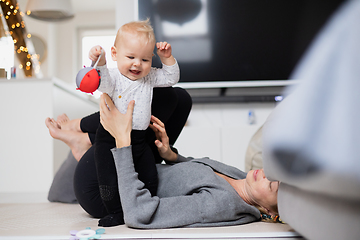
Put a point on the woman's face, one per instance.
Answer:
(262, 191)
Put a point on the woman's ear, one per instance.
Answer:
(113, 53)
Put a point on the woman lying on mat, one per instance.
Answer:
(191, 192)
(197, 192)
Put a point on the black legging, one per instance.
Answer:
(171, 105)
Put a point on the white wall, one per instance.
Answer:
(221, 131)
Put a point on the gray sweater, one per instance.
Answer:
(190, 194)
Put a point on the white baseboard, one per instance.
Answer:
(24, 197)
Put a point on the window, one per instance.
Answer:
(7, 54)
(103, 37)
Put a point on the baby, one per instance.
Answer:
(134, 79)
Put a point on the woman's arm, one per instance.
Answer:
(208, 204)
(141, 210)
(117, 124)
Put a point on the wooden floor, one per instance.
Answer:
(55, 221)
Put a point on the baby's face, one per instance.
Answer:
(133, 56)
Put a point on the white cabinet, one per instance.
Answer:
(26, 155)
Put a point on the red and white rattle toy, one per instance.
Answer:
(88, 79)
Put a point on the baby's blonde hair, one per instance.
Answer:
(141, 29)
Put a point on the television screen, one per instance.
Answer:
(236, 40)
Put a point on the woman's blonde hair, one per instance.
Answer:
(142, 29)
(265, 217)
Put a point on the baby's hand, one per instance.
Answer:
(164, 52)
(163, 49)
(94, 54)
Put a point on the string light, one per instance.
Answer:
(16, 29)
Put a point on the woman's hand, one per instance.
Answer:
(117, 124)
(162, 140)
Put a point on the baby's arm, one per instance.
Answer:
(169, 74)
(107, 83)
(164, 52)
(94, 54)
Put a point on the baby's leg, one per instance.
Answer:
(107, 178)
(144, 161)
(78, 142)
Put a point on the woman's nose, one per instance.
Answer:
(263, 173)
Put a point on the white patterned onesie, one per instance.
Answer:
(122, 90)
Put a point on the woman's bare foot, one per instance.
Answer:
(66, 124)
(62, 119)
(78, 142)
